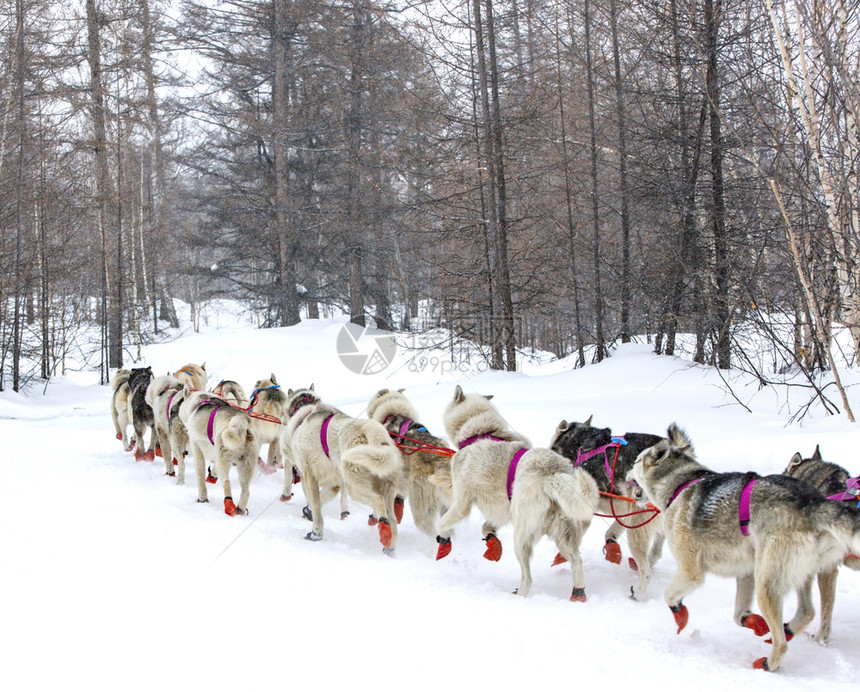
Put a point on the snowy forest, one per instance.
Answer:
(558, 175)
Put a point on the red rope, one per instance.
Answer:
(649, 508)
(421, 446)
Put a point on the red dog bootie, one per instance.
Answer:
(681, 616)
(559, 559)
(612, 552)
(384, 532)
(756, 623)
(494, 548)
(578, 595)
(231, 509)
(632, 563)
(158, 452)
(444, 548)
(399, 503)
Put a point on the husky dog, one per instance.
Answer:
(218, 431)
(267, 410)
(232, 392)
(192, 375)
(773, 534)
(536, 489)
(422, 455)
(141, 413)
(164, 395)
(835, 483)
(335, 452)
(608, 460)
(120, 406)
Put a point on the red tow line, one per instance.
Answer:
(419, 446)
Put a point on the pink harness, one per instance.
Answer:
(744, 507)
(324, 435)
(475, 438)
(512, 470)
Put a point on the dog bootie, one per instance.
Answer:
(308, 514)
(761, 664)
(494, 548)
(681, 616)
(756, 623)
(175, 461)
(286, 498)
(297, 477)
(578, 595)
(399, 503)
(632, 563)
(444, 547)
(119, 436)
(384, 533)
(612, 552)
(312, 537)
(372, 520)
(209, 477)
(559, 559)
(231, 509)
(158, 452)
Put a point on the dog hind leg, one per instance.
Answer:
(827, 594)
(769, 599)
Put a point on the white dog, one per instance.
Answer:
(337, 453)
(537, 489)
(218, 431)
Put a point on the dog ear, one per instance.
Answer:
(382, 392)
(796, 461)
(311, 387)
(658, 453)
(488, 396)
(289, 392)
(678, 438)
(203, 367)
(817, 454)
(587, 423)
(400, 391)
(274, 381)
(561, 427)
(458, 394)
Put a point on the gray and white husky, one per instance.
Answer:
(772, 534)
(224, 434)
(267, 408)
(537, 490)
(422, 456)
(608, 460)
(835, 483)
(335, 453)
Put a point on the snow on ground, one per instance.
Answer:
(113, 577)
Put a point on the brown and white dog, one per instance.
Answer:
(422, 456)
(192, 375)
(267, 408)
(120, 406)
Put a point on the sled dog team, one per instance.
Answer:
(773, 534)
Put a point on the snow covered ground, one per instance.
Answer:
(114, 578)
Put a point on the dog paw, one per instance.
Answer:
(756, 623)
(388, 551)
(372, 520)
(344, 515)
(312, 537)
(297, 477)
(444, 548)
(789, 635)
(209, 477)
(578, 595)
(761, 664)
(175, 461)
(119, 436)
(307, 513)
(172, 474)
(559, 559)
(632, 563)
(149, 455)
(158, 452)
(385, 536)
(399, 503)
(681, 614)
(612, 552)
(286, 498)
(494, 548)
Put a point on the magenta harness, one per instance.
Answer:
(324, 435)
(210, 426)
(851, 492)
(512, 467)
(743, 507)
(582, 457)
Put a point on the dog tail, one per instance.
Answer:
(575, 493)
(379, 459)
(237, 432)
